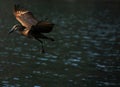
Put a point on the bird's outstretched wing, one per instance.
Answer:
(43, 27)
(25, 17)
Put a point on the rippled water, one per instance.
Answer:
(85, 53)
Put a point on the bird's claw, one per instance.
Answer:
(42, 51)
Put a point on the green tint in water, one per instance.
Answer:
(85, 53)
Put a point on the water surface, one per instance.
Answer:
(85, 53)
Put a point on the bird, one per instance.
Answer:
(30, 26)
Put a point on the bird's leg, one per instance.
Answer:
(45, 37)
(43, 51)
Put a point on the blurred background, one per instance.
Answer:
(86, 51)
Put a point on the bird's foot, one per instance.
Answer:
(42, 51)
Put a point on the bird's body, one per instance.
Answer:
(30, 26)
(25, 32)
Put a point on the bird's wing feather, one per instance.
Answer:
(25, 17)
(43, 27)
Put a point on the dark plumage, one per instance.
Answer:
(30, 26)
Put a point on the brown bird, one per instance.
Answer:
(30, 26)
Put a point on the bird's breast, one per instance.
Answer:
(25, 33)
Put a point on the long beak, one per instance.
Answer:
(12, 30)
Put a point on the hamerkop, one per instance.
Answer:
(30, 26)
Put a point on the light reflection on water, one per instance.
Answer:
(85, 53)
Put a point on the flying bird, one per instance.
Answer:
(30, 26)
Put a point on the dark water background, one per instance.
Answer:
(86, 52)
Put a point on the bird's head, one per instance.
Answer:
(17, 27)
